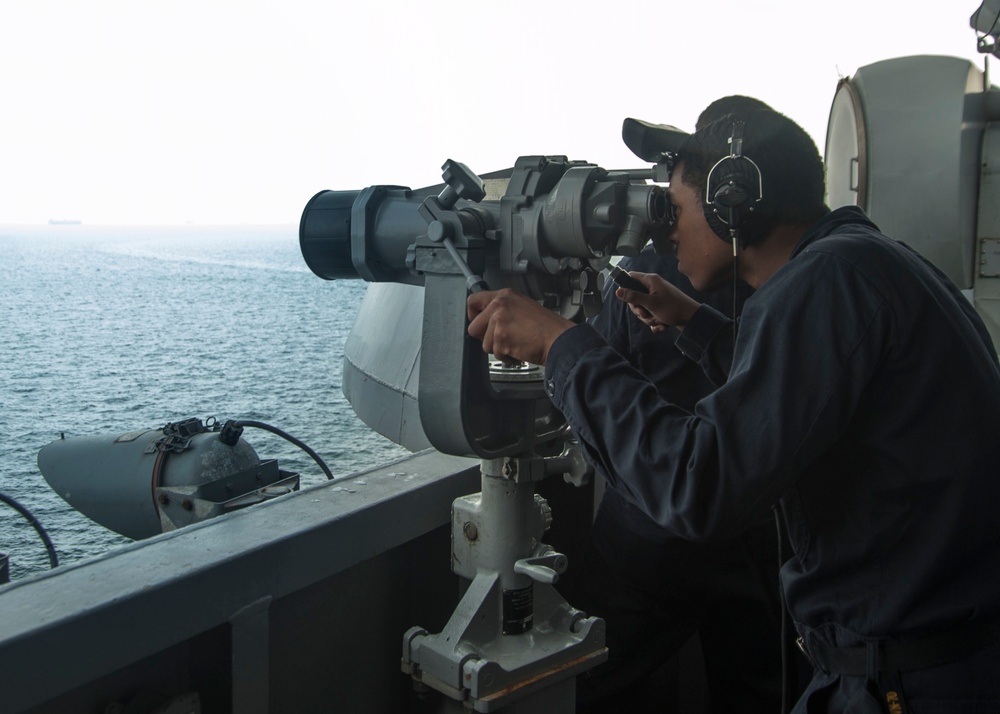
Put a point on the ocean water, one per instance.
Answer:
(107, 330)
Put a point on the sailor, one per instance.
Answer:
(862, 401)
(653, 589)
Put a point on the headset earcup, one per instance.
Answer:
(733, 190)
(715, 223)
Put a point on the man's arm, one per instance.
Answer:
(793, 389)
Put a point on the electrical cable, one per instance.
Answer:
(980, 40)
(993, 25)
(288, 437)
(737, 305)
(785, 675)
(736, 301)
(53, 556)
(783, 614)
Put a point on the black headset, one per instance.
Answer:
(732, 193)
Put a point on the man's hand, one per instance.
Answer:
(665, 305)
(513, 326)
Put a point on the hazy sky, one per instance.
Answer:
(220, 111)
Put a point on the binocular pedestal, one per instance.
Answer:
(513, 642)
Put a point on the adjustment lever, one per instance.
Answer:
(460, 182)
(543, 568)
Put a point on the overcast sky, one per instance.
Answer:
(218, 111)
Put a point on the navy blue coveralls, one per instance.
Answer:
(654, 589)
(864, 396)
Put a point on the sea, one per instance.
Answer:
(108, 330)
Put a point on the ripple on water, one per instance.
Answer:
(116, 329)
